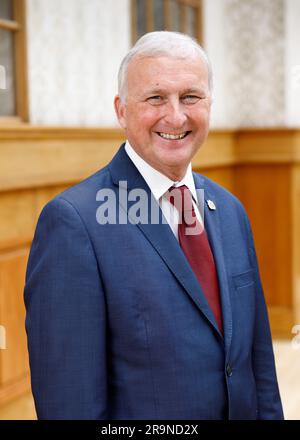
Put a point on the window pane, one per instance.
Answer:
(7, 96)
(6, 9)
(175, 16)
(158, 9)
(191, 21)
(141, 17)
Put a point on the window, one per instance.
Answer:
(172, 15)
(13, 71)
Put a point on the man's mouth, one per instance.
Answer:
(174, 137)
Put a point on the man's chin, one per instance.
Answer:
(174, 169)
(176, 159)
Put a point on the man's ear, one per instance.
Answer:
(120, 109)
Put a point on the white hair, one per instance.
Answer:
(162, 43)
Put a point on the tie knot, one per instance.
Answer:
(181, 198)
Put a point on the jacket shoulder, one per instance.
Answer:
(85, 191)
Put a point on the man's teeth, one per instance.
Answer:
(172, 136)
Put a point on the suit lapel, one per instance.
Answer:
(160, 235)
(212, 226)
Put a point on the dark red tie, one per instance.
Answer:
(194, 243)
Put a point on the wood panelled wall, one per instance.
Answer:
(262, 167)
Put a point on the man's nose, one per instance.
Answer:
(175, 114)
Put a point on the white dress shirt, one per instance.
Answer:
(159, 185)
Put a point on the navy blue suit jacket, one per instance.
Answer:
(118, 326)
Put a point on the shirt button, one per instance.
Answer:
(228, 370)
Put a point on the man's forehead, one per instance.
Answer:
(152, 81)
(158, 70)
(166, 75)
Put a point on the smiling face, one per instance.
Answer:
(166, 113)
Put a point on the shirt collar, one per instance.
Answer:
(158, 182)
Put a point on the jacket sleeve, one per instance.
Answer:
(65, 318)
(268, 397)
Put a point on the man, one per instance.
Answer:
(130, 319)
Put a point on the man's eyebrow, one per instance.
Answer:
(154, 91)
(160, 91)
(195, 90)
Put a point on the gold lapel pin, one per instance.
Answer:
(211, 205)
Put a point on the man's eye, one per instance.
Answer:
(191, 99)
(155, 100)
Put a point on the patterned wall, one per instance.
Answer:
(75, 47)
(255, 79)
(74, 50)
(292, 63)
